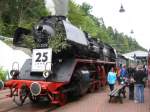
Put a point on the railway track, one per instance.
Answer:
(96, 102)
(7, 105)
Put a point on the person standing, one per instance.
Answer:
(123, 79)
(118, 74)
(131, 72)
(139, 78)
(123, 74)
(111, 78)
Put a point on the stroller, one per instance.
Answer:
(124, 83)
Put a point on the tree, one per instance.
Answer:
(20, 13)
(26, 13)
(86, 8)
(3, 74)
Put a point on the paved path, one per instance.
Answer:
(98, 102)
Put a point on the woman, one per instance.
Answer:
(111, 78)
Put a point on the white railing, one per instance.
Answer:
(5, 38)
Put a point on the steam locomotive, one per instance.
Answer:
(74, 65)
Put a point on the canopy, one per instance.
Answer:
(136, 54)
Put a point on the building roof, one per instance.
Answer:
(136, 54)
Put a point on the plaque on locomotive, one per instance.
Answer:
(40, 58)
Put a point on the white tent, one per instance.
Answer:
(130, 58)
(5, 55)
(136, 54)
(8, 56)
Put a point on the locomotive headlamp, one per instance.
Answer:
(46, 74)
(49, 30)
(46, 29)
(15, 66)
(15, 70)
(47, 71)
(14, 74)
(35, 88)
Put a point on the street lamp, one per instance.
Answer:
(132, 32)
(121, 9)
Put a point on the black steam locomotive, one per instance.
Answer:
(66, 63)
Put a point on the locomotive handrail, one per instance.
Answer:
(94, 61)
(46, 72)
(46, 65)
(14, 64)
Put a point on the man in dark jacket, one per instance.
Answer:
(131, 72)
(139, 78)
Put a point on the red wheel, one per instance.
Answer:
(33, 99)
(97, 86)
(92, 88)
(63, 99)
(20, 96)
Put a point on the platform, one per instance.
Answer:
(98, 102)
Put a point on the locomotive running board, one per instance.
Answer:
(94, 61)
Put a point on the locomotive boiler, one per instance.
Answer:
(66, 63)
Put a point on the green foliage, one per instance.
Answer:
(8, 41)
(28, 41)
(57, 44)
(3, 74)
(25, 13)
(81, 17)
(20, 13)
(87, 8)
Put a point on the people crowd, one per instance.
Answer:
(134, 77)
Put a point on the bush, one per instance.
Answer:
(3, 74)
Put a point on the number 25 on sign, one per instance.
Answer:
(39, 59)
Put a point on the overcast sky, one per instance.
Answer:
(136, 17)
